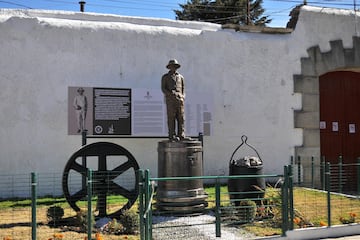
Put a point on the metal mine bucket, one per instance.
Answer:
(180, 159)
(243, 188)
(253, 188)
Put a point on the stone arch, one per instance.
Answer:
(307, 83)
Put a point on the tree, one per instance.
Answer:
(224, 11)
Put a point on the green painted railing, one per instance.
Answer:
(146, 192)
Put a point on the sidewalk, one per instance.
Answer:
(355, 237)
(341, 232)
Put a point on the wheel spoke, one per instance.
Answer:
(122, 191)
(120, 169)
(78, 168)
(101, 203)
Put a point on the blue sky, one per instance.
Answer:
(277, 10)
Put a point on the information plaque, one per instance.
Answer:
(112, 111)
(133, 112)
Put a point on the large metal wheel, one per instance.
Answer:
(114, 173)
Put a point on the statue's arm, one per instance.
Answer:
(183, 86)
(164, 88)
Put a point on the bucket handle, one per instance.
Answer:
(244, 141)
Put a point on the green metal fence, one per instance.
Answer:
(26, 199)
(320, 201)
(220, 212)
(310, 172)
(302, 205)
(326, 194)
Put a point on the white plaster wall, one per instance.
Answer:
(318, 26)
(250, 77)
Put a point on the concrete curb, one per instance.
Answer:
(323, 232)
(319, 233)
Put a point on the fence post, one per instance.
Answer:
(358, 175)
(89, 207)
(217, 210)
(312, 172)
(141, 203)
(327, 181)
(33, 205)
(147, 199)
(291, 197)
(292, 163)
(340, 173)
(151, 194)
(284, 194)
(299, 170)
(323, 173)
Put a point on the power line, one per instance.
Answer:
(162, 5)
(124, 7)
(151, 5)
(282, 12)
(144, 2)
(324, 2)
(74, 3)
(16, 4)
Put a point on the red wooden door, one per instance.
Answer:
(340, 123)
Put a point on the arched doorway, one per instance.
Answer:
(313, 67)
(340, 124)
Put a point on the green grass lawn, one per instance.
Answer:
(310, 208)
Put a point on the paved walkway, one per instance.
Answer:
(356, 237)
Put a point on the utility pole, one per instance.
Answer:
(82, 6)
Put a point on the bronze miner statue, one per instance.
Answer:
(172, 85)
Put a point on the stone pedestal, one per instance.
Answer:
(180, 159)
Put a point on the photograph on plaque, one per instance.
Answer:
(80, 114)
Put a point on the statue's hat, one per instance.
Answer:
(173, 62)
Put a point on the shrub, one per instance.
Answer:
(55, 213)
(130, 222)
(247, 210)
(82, 219)
(114, 227)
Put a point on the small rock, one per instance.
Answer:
(102, 222)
